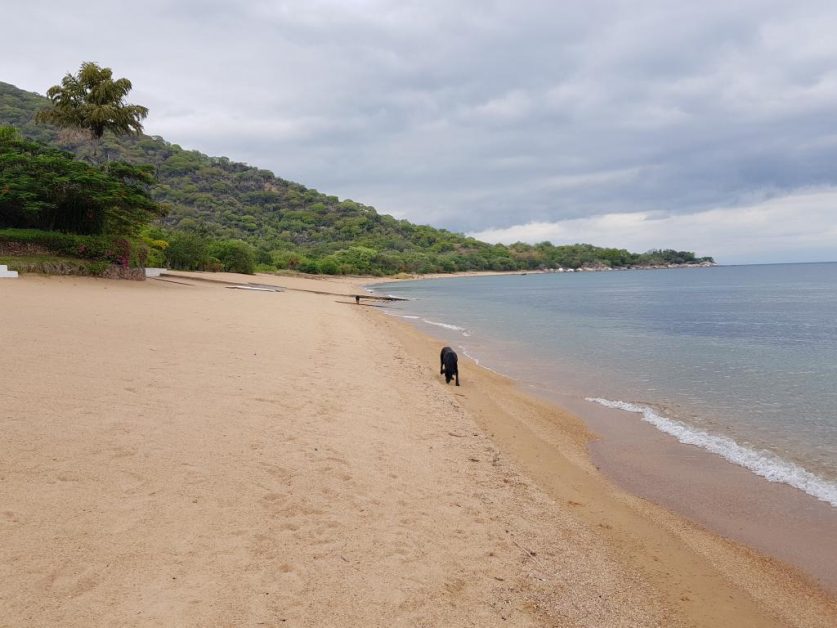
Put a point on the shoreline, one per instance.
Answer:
(552, 444)
(495, 273)
(180, 452)
(775, 518)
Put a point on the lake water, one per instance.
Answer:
(738, 360)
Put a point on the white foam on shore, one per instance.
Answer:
(763, 463)
(446, 326)
(476, 361)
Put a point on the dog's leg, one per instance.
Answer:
(457, 377)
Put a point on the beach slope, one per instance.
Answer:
(181, 453)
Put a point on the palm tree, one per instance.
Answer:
(94, 102)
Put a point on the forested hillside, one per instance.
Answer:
(212, 199)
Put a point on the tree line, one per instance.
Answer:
(199, 212)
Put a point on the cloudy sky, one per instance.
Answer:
(707, 126)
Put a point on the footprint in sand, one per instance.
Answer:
(276, 471)
(131, 482)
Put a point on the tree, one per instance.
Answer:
(44, 188)
(235, 255)
(94, 102)
(187, 251)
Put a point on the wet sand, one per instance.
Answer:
(774, 518)
(695, 566)
(182, 453)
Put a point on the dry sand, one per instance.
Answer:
(186, 454)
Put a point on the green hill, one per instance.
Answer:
(291, 226)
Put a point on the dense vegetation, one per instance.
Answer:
(46, 188)
(223, 214)
(54, 206)
(98, 252)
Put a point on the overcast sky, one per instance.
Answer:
(707, 126)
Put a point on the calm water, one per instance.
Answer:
(740, 360)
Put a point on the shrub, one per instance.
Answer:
(236, 256)
(187, 251)
(156, 258)
(309, 266)
(328, 266)
(97, 269)
(286, 259)
(112, 249)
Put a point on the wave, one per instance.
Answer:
(476, 360)
(413, 317)
(763, 463)
(447, 326)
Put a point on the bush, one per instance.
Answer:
(70, 266)
(156, 258)
(98, 269)
(187, 251)
(328, 266)
(236, 256)
(285, 259)
(309, 266)
(99, 248)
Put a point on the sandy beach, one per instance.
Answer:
(180, 453)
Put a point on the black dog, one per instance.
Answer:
(449, 365)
